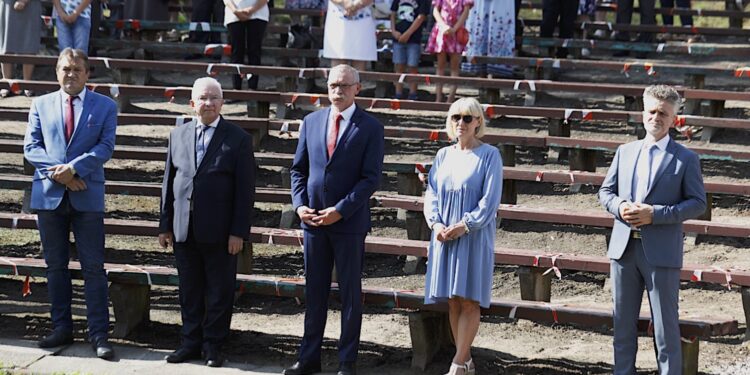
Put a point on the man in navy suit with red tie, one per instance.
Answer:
(336, 169)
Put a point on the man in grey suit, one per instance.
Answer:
(652, 186)
(207, 195)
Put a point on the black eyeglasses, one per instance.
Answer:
(467, 118)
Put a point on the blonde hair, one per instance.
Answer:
(464, 106)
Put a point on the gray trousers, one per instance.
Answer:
(631, 275)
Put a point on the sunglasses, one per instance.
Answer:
(467, 118)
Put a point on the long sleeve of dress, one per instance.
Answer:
(492, 191)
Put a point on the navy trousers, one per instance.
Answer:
(88, 229)
(323, 249)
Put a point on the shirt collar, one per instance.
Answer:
(348, 113)
(213, 124)
(661, 144)
(81, 95)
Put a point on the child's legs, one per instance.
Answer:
(441, 61)
(399, 63)
(455, 71)
(413, 55)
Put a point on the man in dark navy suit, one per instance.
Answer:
(336, 169)
(207, 195)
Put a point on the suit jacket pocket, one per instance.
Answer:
(220, 164)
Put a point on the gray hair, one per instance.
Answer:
(205, 82)
(343, 69)
(73, 54)
(664, 93)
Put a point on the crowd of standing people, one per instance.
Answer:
(461, 30)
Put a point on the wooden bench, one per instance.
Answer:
(287, 80)
(122, 71)
(130, 287)
(409, 182)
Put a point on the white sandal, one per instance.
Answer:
(457, 369)
(470, 368)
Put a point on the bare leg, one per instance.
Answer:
(441, 61)
(335, 62)
(454, 316)
(28, 71)
(413, 85)
(455, 71)
(7, 71)
(361, 66)
(399, 68)
(468, 325)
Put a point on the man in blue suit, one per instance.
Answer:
(652, 186)
(71, 134)
(207, 197)
(336, 169)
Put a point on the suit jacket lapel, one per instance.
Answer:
(668, 156)
(59, 122)
(83, 121)
(350, 129)
(188, 139)
(216, 139)
(629, 163)
(324, 137)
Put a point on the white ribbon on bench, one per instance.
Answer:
(517, 85)
(698, 274)
(7, 261)
(114, 90)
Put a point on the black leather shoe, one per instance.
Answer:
(347, 368)
(102, 348)
(182, 355)
(56, 338)
(213, 358)
(303, 368)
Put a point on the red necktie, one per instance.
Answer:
(70, 118)
(333, 135)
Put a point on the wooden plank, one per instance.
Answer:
(675, 48)
(18, 182)
(502, 255)
(385, 297)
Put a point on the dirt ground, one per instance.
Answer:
(267, 330)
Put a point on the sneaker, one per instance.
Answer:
(4, 93)
(600, 34)
(413, 96)
(28, 93)
(398, 95)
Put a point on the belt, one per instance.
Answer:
(635, 234)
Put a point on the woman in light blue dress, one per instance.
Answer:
(460, 205)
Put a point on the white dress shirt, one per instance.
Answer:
(345, 119)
